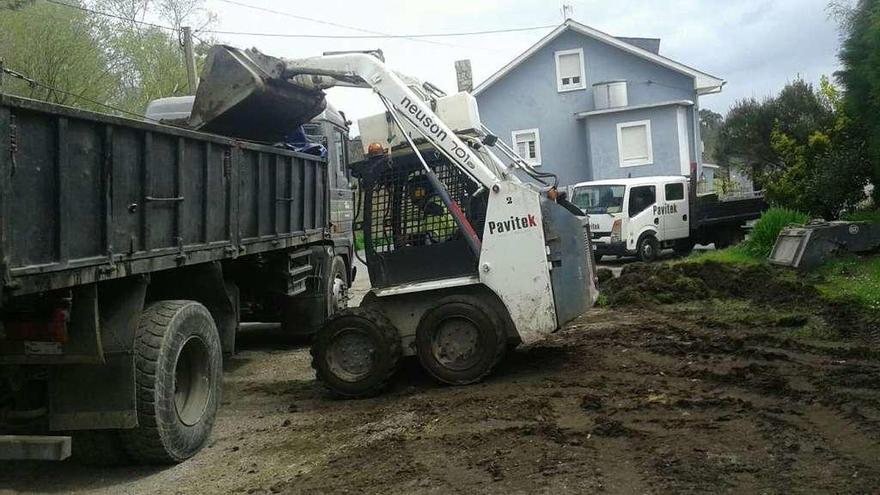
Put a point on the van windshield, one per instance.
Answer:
(595, 200)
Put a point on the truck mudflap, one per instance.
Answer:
(34, 448)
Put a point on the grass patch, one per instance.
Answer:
(852, 279)
(768, 227)
(872, 216)
(736, 255)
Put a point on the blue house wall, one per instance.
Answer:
(575, 149)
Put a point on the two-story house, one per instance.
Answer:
(586, 105)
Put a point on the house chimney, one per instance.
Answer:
(464, 76)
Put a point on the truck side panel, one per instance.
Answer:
(89, 197)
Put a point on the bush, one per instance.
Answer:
(768, 227)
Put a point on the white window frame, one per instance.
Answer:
(635, 163)
(583, 83)
(531, 161)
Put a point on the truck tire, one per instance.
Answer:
(647, 249)
(178, 373)
(460, 340)
(356, 353)
(336, 286)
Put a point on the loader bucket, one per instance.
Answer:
(241, 94)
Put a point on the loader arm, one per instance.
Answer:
(368, 71)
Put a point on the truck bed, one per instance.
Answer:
(712, 210)
(86, 197)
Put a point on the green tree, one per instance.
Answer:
(860, 75)
(56, 46)
(710, 125)
(825, 167)
(149, 60)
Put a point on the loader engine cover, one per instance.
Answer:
(241, 96)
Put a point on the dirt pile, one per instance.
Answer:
(660, 283)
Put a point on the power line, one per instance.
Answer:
(379, 36)
(372, 34)
(321, 21)
(114, 16)
(33, 83)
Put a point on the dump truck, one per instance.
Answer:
(130, 251)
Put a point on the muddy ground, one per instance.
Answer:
(705, 395)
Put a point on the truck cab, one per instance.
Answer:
(635, 217)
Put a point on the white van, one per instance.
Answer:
(641, 216)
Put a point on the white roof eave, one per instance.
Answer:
(703, 83)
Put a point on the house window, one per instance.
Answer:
(570, 70)
(634, 143)
(527, 144)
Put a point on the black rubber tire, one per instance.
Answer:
(337, 269)
(597, 257)
(648, 248)
(385, 352)
(165, 331)
(98, 448)
(491, 337)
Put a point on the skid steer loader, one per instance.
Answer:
(466, 260)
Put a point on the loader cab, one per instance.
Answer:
(409, 235)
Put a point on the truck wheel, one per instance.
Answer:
(336, 285)
(648, 249)
(356, 353)
(178, 372)
(460, 340)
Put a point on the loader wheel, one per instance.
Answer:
(178, 372)
(356, 353)
(648, 249)
(460, 340)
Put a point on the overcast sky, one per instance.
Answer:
(755, 45)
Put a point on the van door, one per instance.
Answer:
(640, 213)
(673, 211)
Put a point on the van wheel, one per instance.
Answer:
(460, 340)
(178, 373)
(648, 249)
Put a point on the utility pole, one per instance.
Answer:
(190, 59)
